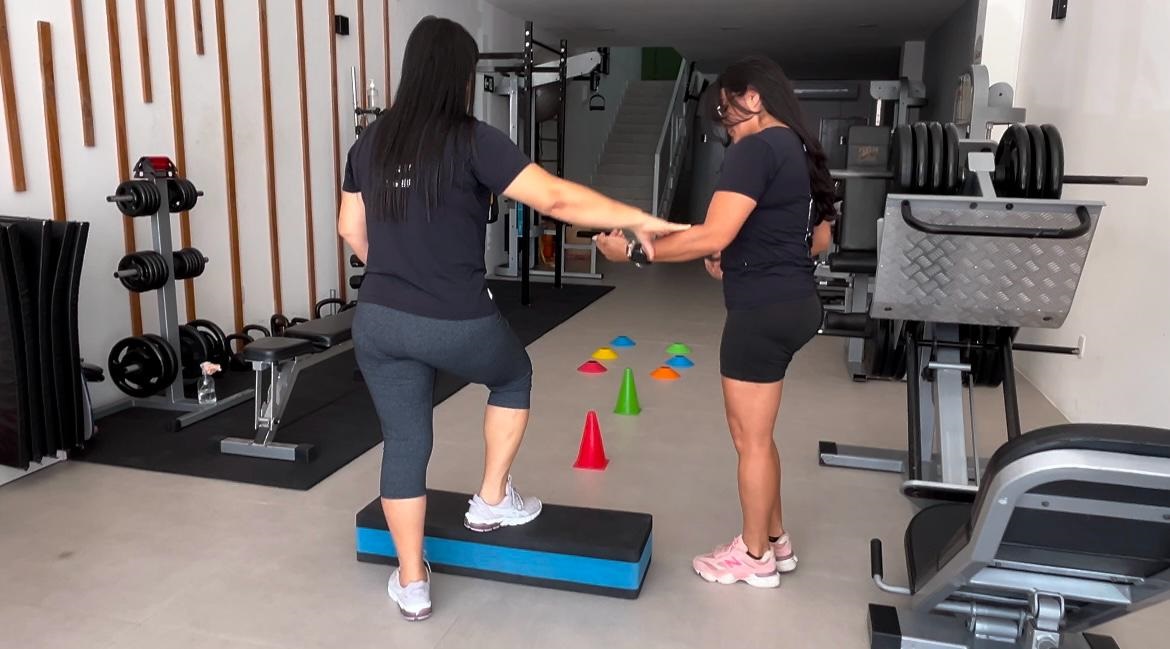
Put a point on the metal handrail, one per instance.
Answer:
(676, 100)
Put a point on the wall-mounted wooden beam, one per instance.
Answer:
(180, 137)
(306, 165)
(197, 16)
(361, 34)
(386, 92)
(83, 73)
(229, 166)
(52, 132)
(122, 163)
(269, 156)
(341, 284)
(11, 113)
(144, 53)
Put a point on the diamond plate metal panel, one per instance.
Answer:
(1012, 282)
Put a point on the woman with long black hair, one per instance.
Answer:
(769, 216)
(414, 209)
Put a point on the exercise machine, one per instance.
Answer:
(967, 253)
(536, 94)
(1068, 531)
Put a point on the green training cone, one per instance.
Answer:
(627, 402)
(678, 349)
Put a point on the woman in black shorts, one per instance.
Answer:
(414, 209)
(769, 216)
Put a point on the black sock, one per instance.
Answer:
(773, 539)
(754, 556)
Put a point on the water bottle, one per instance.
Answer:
(206, 390)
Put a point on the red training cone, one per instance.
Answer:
(592, 453)
(591, 367)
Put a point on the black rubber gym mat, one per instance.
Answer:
(328, 408)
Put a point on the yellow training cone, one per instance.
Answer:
(605, 354)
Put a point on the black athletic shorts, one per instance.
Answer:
(758, 344)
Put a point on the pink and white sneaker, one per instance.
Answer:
(731, 563)
(785, 557)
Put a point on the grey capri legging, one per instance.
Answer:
(399, 353)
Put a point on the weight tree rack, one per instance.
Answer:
(135, 198)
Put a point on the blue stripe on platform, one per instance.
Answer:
(605, 573)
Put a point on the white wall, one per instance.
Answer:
(587, 130)
(1103, 76)
(91, 173)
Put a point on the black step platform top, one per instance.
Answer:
(560, 529)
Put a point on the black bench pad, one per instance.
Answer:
(856, 262)
(324, 332)
(273, 349)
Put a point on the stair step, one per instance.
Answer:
(625, 194)
(619, 146)
(615, 157)
(643, 181)
(624, 169)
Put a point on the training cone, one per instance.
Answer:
(592, 452)
(623, 341)
(592, 367)
(665, 373)
(678, 349)
(605, 354)
(627, 402)
(680, 361)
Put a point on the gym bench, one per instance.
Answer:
(1069, 530)
(278, 360)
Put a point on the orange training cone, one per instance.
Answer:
(665, 373)
(592, 452)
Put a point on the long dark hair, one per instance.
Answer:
(430, 115)
(766, 77)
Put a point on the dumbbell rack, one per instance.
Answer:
(160, 169)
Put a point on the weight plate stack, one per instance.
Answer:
(902, 157)
(921, 156)
(194, 350)
(170, 356)
(1054, 180)
(953, 166)
(138, 198)
(183, 195)
(217, 340)
(137, 367)
(149, 271)
(1013, 163)
(936, 164)
(189, 263)
(1039, 161)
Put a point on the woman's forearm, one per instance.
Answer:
(697, 242)
(359, 245)
(581, 206)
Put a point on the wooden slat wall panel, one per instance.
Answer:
(332, 8)
(82, 55)
(120, 146)
(11, 114)
(269, 156)
(361, 34)
(197, 17)
(52, 132)
(144, 53)
(386, 90)
(229, 165)
(180, 136)
(306, 165)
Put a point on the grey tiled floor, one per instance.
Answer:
(96, 556)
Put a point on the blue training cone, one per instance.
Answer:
(680, 361)
(622, 341)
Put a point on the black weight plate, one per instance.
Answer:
(1039, 161)
(219, 350)
(126, 189)
(1054, 180)
(182, 262)
(144, 192)
(871, 361)
(936, 162)
(169, 354)
(192, 348)
(174, 195)
(903, 158)
(136, 367)
(191, 195)
(1013, 162)
(951, 165)
(921, 154)
(160, 276)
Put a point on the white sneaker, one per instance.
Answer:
(413, 599)
(512, 510)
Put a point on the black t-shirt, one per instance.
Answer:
(435, 268)
(769, 261)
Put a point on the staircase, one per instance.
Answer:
(626, 168)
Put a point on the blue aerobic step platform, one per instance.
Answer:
(596, 551)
